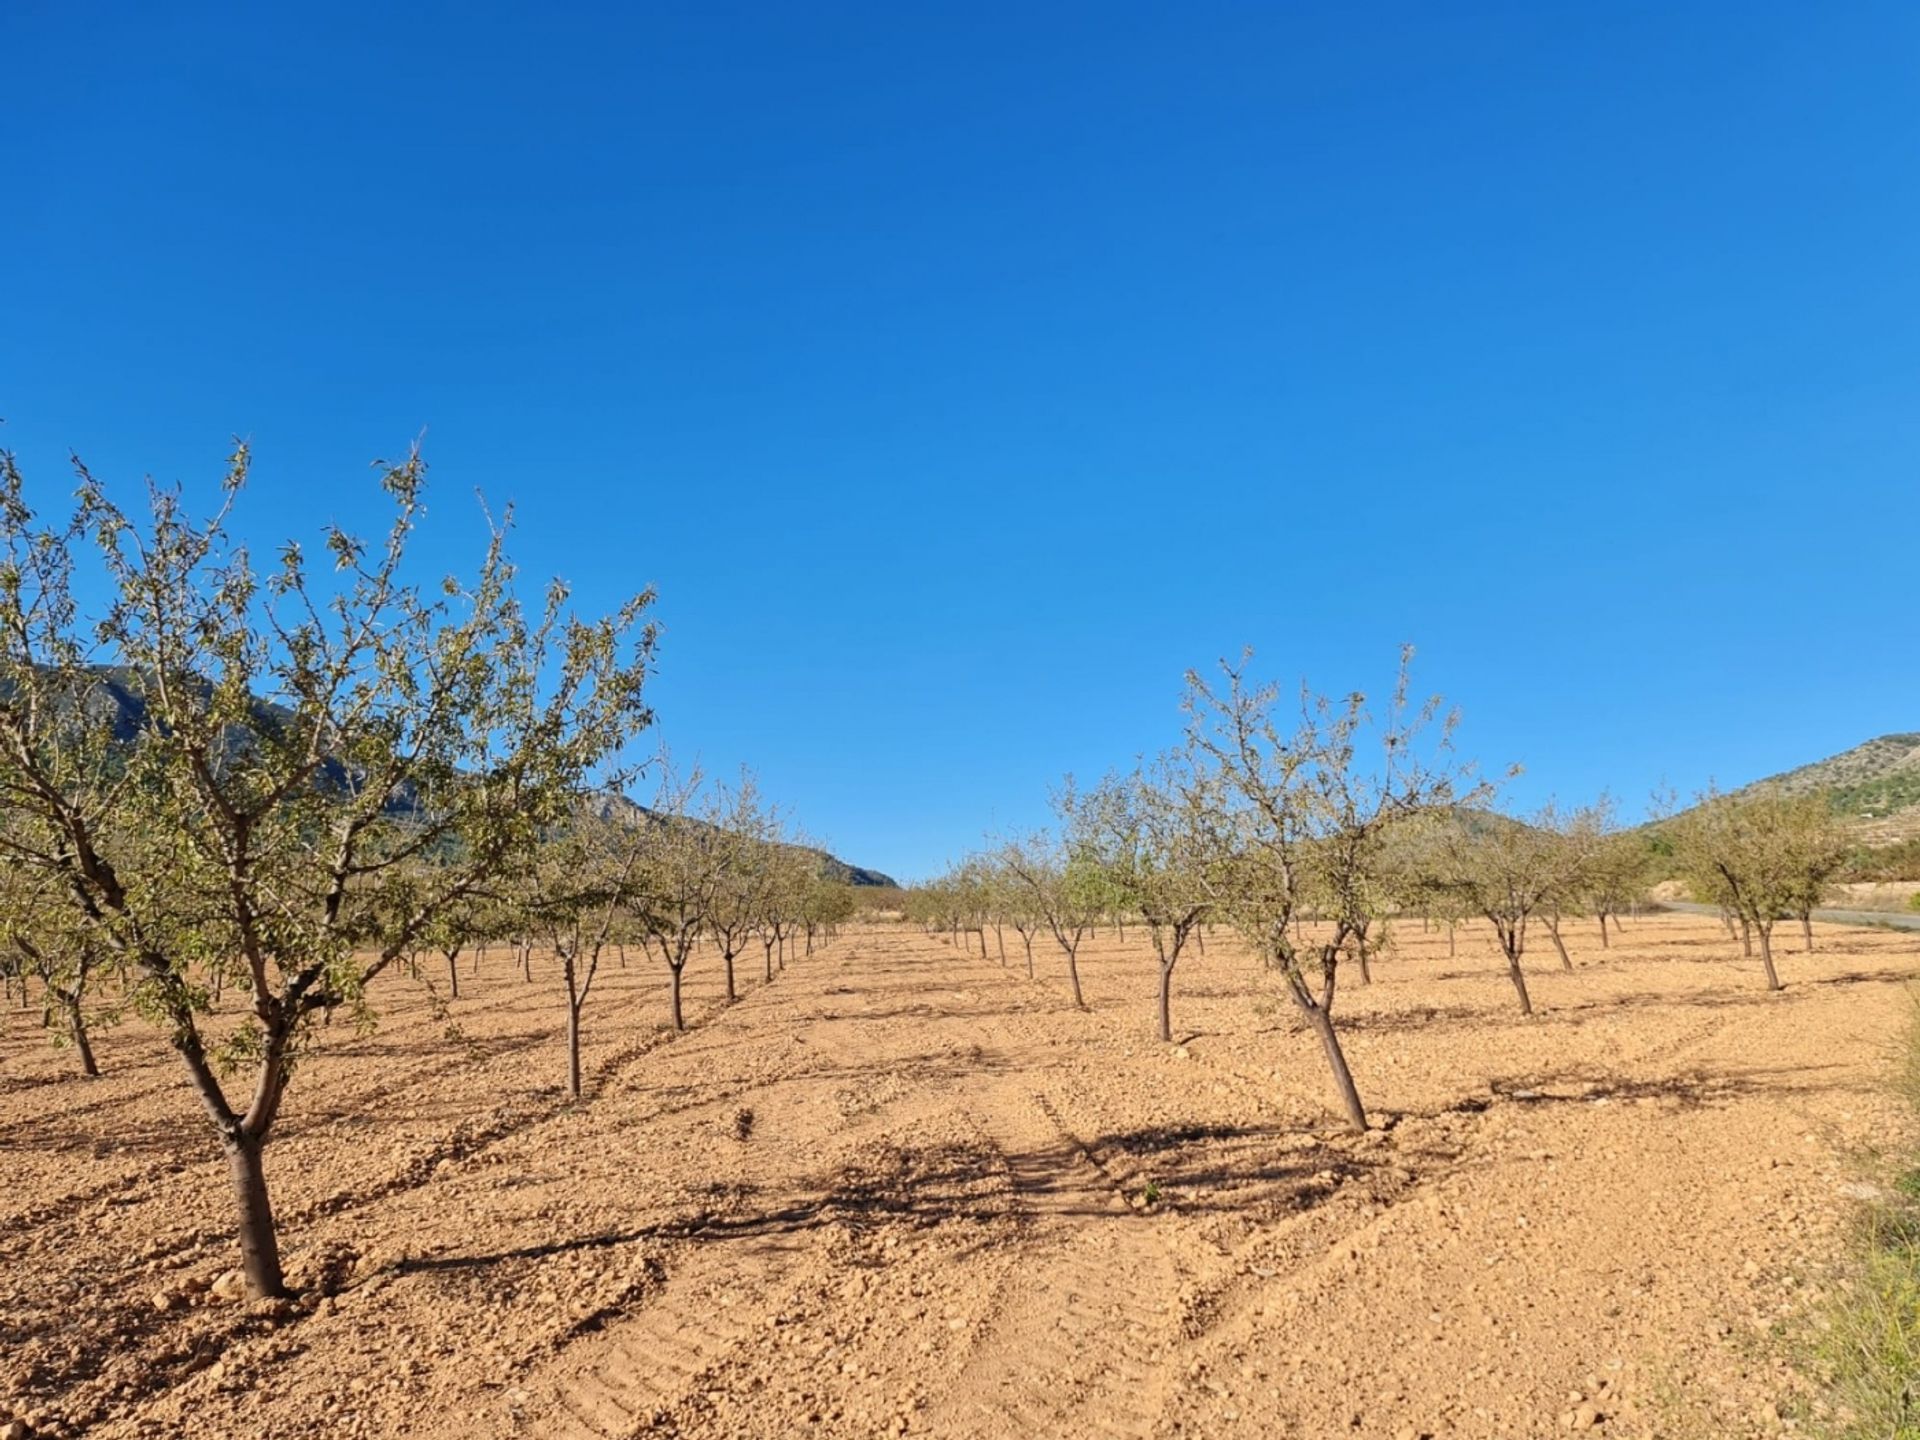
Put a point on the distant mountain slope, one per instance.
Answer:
(1875, 787)
(846, 874)
(117, 702)
(832, 866)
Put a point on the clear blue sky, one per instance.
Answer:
(962, 374)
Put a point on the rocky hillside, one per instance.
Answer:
(118, 703)
(609, 806)
(1875, 786)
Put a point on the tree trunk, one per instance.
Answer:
(1322, 1024)
(1073, 975)
(767, 947)
(77, 1028)
(573, 1045)
(1166, 1000)
(1366, 970)
(679, 1019)
(982, 932)
(1450, 949)
(1766, 956)
(1746, 938)
(1806, 929)
(1029, 940)
(1603, 930)
(453, 976)
(1519, 978)
(1553, 930)
(726, 956)
(1000, 943)
(259, 1240)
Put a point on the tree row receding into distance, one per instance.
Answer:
(271, 782)
(1309, 824)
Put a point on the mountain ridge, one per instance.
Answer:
(115, 700)
(1874, 787)
(832, 866)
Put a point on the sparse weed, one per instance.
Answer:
(1866, 1347)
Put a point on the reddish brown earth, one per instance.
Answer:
(901, 1190)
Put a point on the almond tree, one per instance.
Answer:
(47, 941)
(241, 776)
(1816, 851)
(737, 826)
(1064, 889)
(1018, 903)
(826, 904)
(1509, 870)
(988, 883)
(450, 933)
(766, 904)
(681, 872)
(1152, 833)
(1004, 902)
(973, 894)
(926, 907)
(1760, 858)
(1304, 820)
(786, 866)
(1617, 874)
(962, 889)
(582, 882)
(1578, 839)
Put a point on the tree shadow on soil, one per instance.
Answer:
(1197, 1168)
(1691, 1090)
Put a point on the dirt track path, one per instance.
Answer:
(1891, 919)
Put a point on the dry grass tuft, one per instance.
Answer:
(1868, 1350)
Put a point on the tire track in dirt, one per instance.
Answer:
(622, 1378)
(513, 1119)
(1081, 1340)
(724, 1286)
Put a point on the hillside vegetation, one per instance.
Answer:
(1875, 787)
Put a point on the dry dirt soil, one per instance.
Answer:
(904, 1190)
